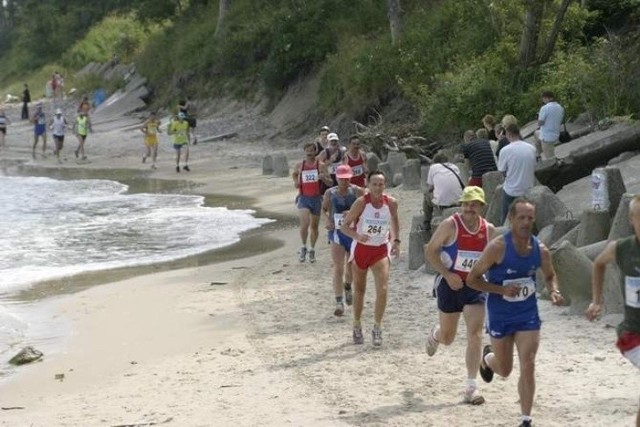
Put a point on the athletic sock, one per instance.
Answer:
(377, 325)
(525, 418)
(471, 383)
(347, 286)
(339, 299)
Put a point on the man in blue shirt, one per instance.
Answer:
(550, 119)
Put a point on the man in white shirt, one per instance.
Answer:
(518, 162)
(550, 119)
(444, 187)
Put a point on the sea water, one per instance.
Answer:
(51, 229)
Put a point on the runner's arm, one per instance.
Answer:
(395, 226)
(493, 253)
(352, 216)
(296, 175)
(326, 210)
(597, 278)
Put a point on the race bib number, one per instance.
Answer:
(310, 175)
(632, 291)
(377, 230)
(338, 219)
(465, 260)
(526, 285)
(357, 170)
(333, 167)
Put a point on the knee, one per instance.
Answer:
(446, 337)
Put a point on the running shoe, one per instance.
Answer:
(339, 311)
(303, 254)
(431, 345)
(76, 153)
(485, 371)
(348, 296)
(376, 336)
(472, 396)
(144, 159)
(154, 166)
(358, 338)
(312, 255)
(526, 424)
(186, 168)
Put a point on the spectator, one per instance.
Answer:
(489, 123)
(550, 120)
(444, 188)
(26, 99)
(478, 157)
(518, 162)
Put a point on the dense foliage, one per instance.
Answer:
(456, 61)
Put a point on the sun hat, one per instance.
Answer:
(58, 111)
(472, 193)
(333, 137)
(344, 171)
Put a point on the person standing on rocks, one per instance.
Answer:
(26, 99)
(454, 248)
(550, 119)
(336, 204)
(179, 129)
(58, 125)
(375, 216)
(39, 121)
(626, 254)
(518, 162)
(81, 128)
(510, 262)
(357, 160)
(478, 157)
(444, 188)
(307, 176)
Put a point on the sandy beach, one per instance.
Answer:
(253, 341)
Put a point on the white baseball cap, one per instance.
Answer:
(333, 137)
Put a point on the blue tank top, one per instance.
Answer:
(341, 203)
(520, 270)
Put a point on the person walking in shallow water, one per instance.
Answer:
(81, 128)
(39, 121)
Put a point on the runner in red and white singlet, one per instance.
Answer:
(376, 217)
(357, 160)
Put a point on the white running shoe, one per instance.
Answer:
(302, 253)
(432, 343)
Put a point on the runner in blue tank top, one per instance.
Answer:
(335, 205)
(511, 262)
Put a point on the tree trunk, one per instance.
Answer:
(395, 21)
(553, 36)
(531, 31)
(223, 9)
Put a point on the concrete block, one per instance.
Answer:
(493, 211)
(424, 173)
(573, 269)
(397, 179)
(267, 165)
(373, 162)
(615, 188)
(553, 232)
(280, 165)
(613, 300)
(571, 236)
(594, 249)
(549, 207)
(385, 168)
(396, 160)
(416, 250)
(594, 226)
(411, 174)
(417, 222)
(491, 181)
(620, 226)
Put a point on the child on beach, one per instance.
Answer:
(151, 129)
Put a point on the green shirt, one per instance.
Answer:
(628, 259)
(179, 130)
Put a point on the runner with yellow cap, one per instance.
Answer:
(453, 249)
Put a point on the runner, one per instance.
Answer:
(58, 125)
(321, 140)
(151, 129)
(81, 128)
(626, 254)
(336, 203)
(332, 156)
(375, 216)
(453, 249)
(356, 158)
(40, 130)
(307, 176)
(179, 128)
(511, 261)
